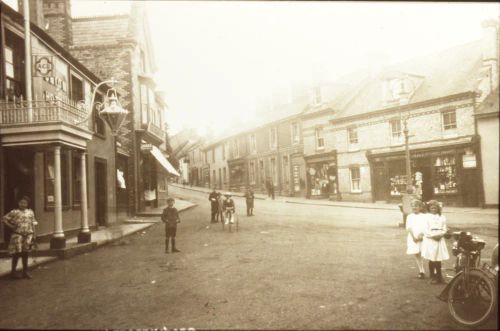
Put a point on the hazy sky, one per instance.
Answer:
(215, 59)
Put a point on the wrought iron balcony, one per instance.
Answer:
(17, 112)
(40, 121)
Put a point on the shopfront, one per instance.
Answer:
(322, 176)
(447, 174)
(237, 174)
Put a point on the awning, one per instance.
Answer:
(163, 161)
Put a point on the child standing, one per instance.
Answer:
(416, 227)
(220, 208)
(434, 245)
(22, 222)
(170, 217)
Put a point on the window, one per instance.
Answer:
(253, 143)
(273, 138)
(445, 179)
(99, 125)
(450, 119)
(251, 172)
(320, 140)
(261, 170)
(353, 135)
(317, 95)
(295, 133)
(355, 179)
(236, 149)
(396, 132)
(76, 89)
(50, 179)
(9, 62)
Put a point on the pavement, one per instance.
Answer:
(363, 205)
(100, 237)
(288, 267)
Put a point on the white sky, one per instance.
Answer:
(215, 59)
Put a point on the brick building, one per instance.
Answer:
(50, 150)
(119, 47)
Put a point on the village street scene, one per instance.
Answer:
(249, 165)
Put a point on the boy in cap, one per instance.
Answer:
(228, 205)
(170, 217)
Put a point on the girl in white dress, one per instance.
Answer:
(416, 226)
(434, 245)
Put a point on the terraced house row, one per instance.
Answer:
(53, 148)
(345, 140)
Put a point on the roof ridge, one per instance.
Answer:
(95, 17)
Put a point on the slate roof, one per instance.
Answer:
(452, 71)
(100, 30)
(489, 105)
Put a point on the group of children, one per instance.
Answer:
(426, 229)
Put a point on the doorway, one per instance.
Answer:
(19, 180)
(380, 180)
(469, 191)
(427, 189)
(101, 192)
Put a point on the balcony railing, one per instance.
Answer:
(17, 111)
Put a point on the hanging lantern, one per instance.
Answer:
(113, 113)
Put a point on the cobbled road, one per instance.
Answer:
(289, 267)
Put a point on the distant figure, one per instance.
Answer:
(220, 208)
(249, 198)
(214, 205)
(229, 206)
(170, 217)
(271, 188)
(22, 222)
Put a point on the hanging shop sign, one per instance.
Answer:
(469, 160)
(43, 66)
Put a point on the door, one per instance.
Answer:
(469, 188)
(101, 192)
(427, 189)
(19, 180)
(380, 181)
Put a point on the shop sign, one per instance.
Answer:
(469, 161)
(43, 65)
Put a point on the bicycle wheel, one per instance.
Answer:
(473, 305)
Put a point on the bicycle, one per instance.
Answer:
(230, 218)
(472, 294)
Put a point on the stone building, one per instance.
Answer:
(361, 131)
(50, 149)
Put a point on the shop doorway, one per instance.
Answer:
(469, 191)
(427, 188)
(19, 180)
(380, 180)
(101, 192)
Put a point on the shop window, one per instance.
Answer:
(353, 136)
(320, 140)
(397, 177)
(449, 119)
(251, 172)
(253, 143)
(286, 175)
(50, 179)
(322, 179)
(355, 179)
(295, 133)
(77, 180)
(273, 138)
(273, 170)
(445, 178)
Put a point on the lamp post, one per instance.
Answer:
(407, 155)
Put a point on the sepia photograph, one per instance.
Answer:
(249, 165)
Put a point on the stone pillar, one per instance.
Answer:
(84, 236)
(58, 240)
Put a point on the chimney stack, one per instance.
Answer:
(57, 15)
(490, 51)
(36, 12)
